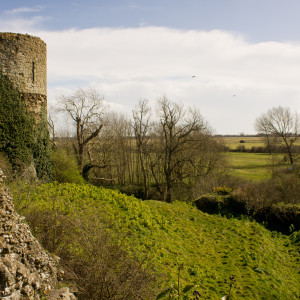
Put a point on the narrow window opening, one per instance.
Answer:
(33, 71)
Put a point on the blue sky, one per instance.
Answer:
(258, 20)
(134, 49)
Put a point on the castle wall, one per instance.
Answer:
(23, 58)
(27, 271)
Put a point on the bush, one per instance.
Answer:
(279, 217)
(233, 205)
(223, 190)
(273, 202)
(209, 204)
(227, 205)
(65, 167)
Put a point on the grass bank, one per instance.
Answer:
(211, 248)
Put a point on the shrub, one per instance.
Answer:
(209, 204)
(65, 167)
(233, 205)
(279, 217)
(223, 190)
(273, 202)
(227, 205)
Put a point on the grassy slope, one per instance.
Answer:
(216, 247)
(211, 247)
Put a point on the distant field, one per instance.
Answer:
(234, 142)
(253, 166)
(249, 141)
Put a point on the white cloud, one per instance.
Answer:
(24, 9)
(21, 25)
(128, 64)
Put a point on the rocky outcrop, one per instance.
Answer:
(27, 271)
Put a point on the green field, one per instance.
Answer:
(253, 166)
(233, 142)
(211, 248)
(249, 141)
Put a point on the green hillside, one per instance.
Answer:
(211, 248)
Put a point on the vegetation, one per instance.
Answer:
(86, 109)
(166, 150)
(65, 167)
(253, 144)
(78, 223)
(16, 126)
(162, 237)
(280, 127)
(114, 246)
(22, 140)
(253, 166)
(265, 202)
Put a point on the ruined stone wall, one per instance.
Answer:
(27, 271)
(23, 58)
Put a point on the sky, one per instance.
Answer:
(231, 59)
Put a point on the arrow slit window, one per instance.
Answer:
(33, 72)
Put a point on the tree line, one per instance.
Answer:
(163, 149)
(160, 151)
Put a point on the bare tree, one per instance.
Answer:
(141, 126)
(51, 128)
(176, 127)
(113, 148)
(280, 122)
(86, 108)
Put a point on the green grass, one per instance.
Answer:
(211, 248)
(253, 166)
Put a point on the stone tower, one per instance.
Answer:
(23, 58)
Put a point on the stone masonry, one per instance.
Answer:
(23, 58)
(27, 271)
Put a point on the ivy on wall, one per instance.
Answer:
(42, 148)
(21, 139)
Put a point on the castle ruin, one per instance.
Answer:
(23, 58)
